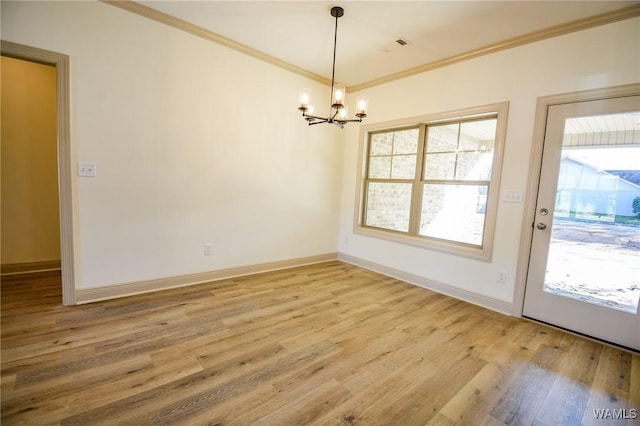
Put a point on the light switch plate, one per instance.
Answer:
(86, 169)
(513, 196)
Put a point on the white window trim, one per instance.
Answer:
(483, 252)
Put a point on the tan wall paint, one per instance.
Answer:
(30, 219)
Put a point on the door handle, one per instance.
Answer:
(541, 226)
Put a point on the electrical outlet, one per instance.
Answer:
(86, 169)
(207, 250)
(502, 276)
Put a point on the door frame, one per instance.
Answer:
(65, 201)
(535, 168)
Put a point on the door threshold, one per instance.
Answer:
(586, 336)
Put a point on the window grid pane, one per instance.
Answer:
(461, 151)
(404, 167)
(380, 167)
(442, 138)
(440, 166)
(392, 155)
(381, 144)
(453, 212)
(478, 135)
(388, 205)
(405, 141)
(474, 166)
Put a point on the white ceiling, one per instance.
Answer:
(301, 32)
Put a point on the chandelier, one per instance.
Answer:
(338, 111)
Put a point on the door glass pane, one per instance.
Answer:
(594, 255)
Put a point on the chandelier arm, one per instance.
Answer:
(314, 117)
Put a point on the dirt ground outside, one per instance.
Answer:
(596, 263)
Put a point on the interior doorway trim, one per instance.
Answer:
(535, 165)
(61, 62)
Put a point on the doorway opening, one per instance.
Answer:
(61, 64)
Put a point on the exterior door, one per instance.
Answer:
(584, 266)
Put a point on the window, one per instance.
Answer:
(434, 182)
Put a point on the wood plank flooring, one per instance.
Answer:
(328, 344)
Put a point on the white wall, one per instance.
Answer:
(162, 113)
(599, 57)
(194, 143)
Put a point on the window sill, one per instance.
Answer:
(459, 249)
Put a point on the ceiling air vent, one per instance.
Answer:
(402, 42)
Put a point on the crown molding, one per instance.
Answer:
(554, 31)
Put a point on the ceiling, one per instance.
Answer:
(301, 32)
(628, 123)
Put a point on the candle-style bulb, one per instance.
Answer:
(361, 105)
(305, 97)
(339, 95)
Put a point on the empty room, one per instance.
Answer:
(317, 212)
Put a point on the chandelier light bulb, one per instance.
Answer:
(362, 103)
(343, 113)
(305, 96)
(339, 93)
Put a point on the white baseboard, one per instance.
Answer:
(95, 294)
(458, 293)
(29, 267)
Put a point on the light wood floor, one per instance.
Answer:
(325, 344)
